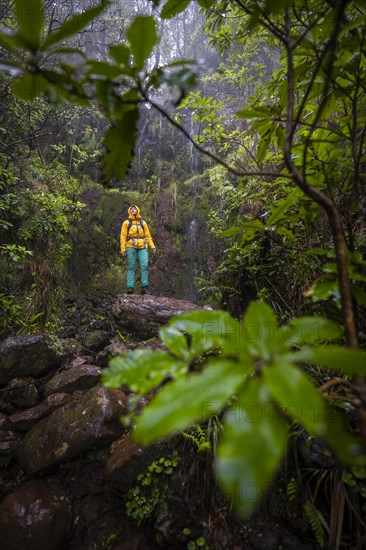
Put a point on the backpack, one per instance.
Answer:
(130, 224)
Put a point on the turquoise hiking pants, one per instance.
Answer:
(140, 254)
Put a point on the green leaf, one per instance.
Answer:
(263, 144)
(175, 341)
(271, 7)
(119, 143)
(120, 53)
(206, 4)
(316, 251)
(11, 40)
(104, 92)
(73, 25)
(330, 268)
(251, 229)
(172, 7)
(142, 37)
(185, 78)
(115, 105)
(359, 295)
(254, 112)
(103, 69)
(29, 86)
(349, 361)
(142, 370)
(297, 396)
(30, 17)
(278, 213)
(265, 341)
(231, 231)
(252, 446)
(184, 402)
(311, 330)
(323, 289)
(210, 330)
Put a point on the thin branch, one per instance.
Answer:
(334, 382)
(308, 28)
(308, 89)
(209, 154)
(335, 397)
(339, 10)
(26, 139)
(267, 24)
(320, 198)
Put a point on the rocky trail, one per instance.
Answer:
(71, 475)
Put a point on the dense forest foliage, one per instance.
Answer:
(239, 129)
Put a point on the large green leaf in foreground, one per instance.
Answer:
(252, 447)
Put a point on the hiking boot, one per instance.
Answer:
(130, 291)
(145, 290)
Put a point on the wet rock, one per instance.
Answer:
(120, 467)
(35, 516)
(128, 460)
(32, 355)
(4, 421)
(114, 349)
(20, 393)
(24, 420)
(9, 444)
(78, 361)
(142, 316)
(73, 429)
(96, 340)
(70, 380)
(71, 349)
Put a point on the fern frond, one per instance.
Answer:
(314, 518)
(291, 490)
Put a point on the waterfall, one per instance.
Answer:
(193, 260)
(192, 232)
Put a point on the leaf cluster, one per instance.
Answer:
(250, 373)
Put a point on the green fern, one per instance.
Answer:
(314, 518)
(291, 490)
(199, 439)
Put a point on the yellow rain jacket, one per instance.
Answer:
(135, 234)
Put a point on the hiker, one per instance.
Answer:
(135, 240)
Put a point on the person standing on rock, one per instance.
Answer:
(135, 241)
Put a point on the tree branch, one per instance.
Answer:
(204, 151)
(323, 200)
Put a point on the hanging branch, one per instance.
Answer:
(213, 156)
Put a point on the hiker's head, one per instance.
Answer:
(134, 210)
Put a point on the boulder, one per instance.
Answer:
(33, 517)
(29, 355)
(9, 444)
(20, 393)
(143, 316)
(76, 378)
(71, 348)
(114, 349)
(24, 420)
(96, 340)
(4, 421)
(128, 459)
(74, 428)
